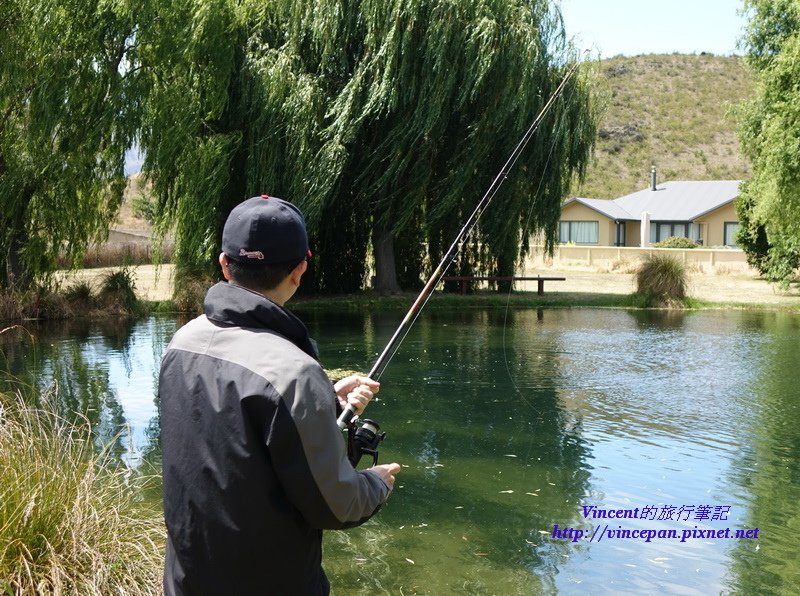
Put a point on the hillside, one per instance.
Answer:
(673, 111)
(128, 218)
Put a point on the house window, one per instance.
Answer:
(731, 227)
(579, 232)
(662, 231)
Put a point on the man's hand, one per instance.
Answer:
(356, 391)
(386, 472)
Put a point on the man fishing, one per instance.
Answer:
(254, 464)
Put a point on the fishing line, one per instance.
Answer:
(559, 126)
(411, 316)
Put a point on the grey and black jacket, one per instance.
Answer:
(254, 465)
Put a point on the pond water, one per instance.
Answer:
(516, 429)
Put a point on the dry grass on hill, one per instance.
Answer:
(673, 111)
(127, 219)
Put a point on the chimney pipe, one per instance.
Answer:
(653, 178)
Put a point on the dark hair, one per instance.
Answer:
(259, 277)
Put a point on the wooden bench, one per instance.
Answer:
(465, 279)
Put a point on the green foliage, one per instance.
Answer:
(676, 242)
(751, 235)
(143, 207)
(769, 206)
(377, 117)
(191, 286)
(771, 23)
(66, 119)
(70, 521)
(661, 280)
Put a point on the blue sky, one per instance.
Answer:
(632, 27)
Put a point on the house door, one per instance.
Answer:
(620, 234)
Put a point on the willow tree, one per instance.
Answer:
(384, 120)
(227, 113)
(439, 95)
(769, 205)
(65, 122)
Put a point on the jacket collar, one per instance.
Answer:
(234, 305)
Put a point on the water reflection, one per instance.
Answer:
(488, 466)
(105, 372)
(508, 423)
(768, 470)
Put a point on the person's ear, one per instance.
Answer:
(297, 273)
(223, 263)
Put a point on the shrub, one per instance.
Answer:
(70, 521)
(661, 280)
(190, 287)
(10, 305)
(118, 290)
(676, 242)
(37, 303)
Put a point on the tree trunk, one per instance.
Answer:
(385, 271)
(17, 277)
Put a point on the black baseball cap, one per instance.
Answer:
(265, 230)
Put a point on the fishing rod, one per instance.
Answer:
(345, 420)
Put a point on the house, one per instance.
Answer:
(701, 211)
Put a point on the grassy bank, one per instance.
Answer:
(516, 300)
(479, 299)
(112, 295)
(71, 521)
(60, 307)
(123, 292)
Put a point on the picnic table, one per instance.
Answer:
(466, 279)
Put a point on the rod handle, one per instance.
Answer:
(346, 417)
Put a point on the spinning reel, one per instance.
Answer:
(363, 437)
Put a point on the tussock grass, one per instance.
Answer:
(70, 520)
(661, 281)
(118, 290)
(32, 304)
(10, 306)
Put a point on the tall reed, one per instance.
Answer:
(71, 520)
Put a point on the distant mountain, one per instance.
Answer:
(672, 111)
